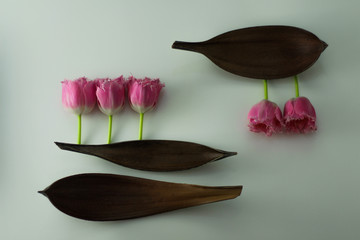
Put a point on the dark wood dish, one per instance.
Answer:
(152, 155)
(263, 52)
(108, 197)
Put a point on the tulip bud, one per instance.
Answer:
(144, 93)
(110, 94)
(78, 95)
(143, 96)
(266, 117)
(299, 115)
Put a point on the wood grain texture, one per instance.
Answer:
(263, 52)
(152, 155)
(107, 197)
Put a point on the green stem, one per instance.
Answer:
(79, 129)
(110, 129)
(265, 90)
(141, 125)
(296, 86)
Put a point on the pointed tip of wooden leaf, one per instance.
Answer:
(68, 146)
(43, 192)
(60, 145)
(325, 45)
(229, 154)
(225, 154)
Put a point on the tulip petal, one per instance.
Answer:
(89, 96)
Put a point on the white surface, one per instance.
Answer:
(295, 187)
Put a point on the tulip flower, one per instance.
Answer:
(143, 96)
(78, 96)
(110, 94)
(265, 116)
(299, 113)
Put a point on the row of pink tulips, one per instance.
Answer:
(299, 115)
(81, 95)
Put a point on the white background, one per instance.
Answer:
(295, 186)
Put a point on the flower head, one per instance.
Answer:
(144, 93)
(299, 115)
(110, 94)
(78, 95)
(266, 117)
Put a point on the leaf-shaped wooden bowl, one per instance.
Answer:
(152, 155)
(106, 197)
(263, 52)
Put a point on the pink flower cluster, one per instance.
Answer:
(299, 117)
(80, 95)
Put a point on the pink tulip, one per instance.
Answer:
(143, 96)
(266, 117)
(144, 93)
(110, 94)
(111, 97)
(78, 95)
(299, 115)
